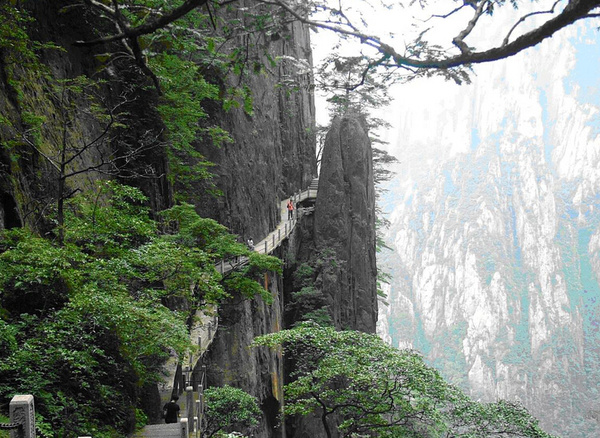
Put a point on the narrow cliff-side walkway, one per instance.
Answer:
(206, 328)
(280, 233)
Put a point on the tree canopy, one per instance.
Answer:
(359, 385)
(230, 409)
(86, 324)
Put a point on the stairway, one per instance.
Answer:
(159, 431)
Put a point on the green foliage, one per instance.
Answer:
(65, 360)
(84, 325)
(303, 275)
(4, 433)
(110, 222)
(179, 59)
(17, 48)
(230, 409)
(308, 302)
(21, 66)
(245, 281)
(181, 109)
(211, 240)
(370, 388)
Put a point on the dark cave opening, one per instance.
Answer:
(8, 212)
(271, 408)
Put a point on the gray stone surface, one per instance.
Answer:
(22, 411)
(344, 225)
(159, 431)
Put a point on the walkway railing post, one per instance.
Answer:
(190, 406)
(200, 415)
(266, 252)
(22, 411)
(184, 428)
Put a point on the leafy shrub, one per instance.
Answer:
(230, 409)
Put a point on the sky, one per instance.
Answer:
(573, 52)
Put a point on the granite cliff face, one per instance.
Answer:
(31, 107)
(272, 156)
(273, 152)
(344, 223)
(336, 238)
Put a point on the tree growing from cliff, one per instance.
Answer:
(308, 302)
(346, 97)
(357, 384)
(71, 154)
(414, 57)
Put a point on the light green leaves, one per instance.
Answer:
(230, 409)
(362, 386)
(85, 324)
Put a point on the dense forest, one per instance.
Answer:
(142, 143)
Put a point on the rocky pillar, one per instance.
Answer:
(345, 225)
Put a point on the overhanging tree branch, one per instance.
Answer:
(415, 59)
(574, 11)
(147, 28)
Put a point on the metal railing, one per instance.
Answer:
(11, 426)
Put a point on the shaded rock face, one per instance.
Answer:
(28, 180)
(273, 152)
(231, 361)
(272, 156)
(344, 225)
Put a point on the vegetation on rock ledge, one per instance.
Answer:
(85, 326)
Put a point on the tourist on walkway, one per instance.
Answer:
(250, 244)
(171, 411)
(290, 209)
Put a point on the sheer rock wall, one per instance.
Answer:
(345, 224)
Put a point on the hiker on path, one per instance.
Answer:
(290, 209)
(171, 410)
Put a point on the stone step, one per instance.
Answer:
(159, 431)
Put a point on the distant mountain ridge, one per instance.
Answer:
(496, 239)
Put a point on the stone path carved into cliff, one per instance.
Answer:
(206, 324)
(280, 233)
